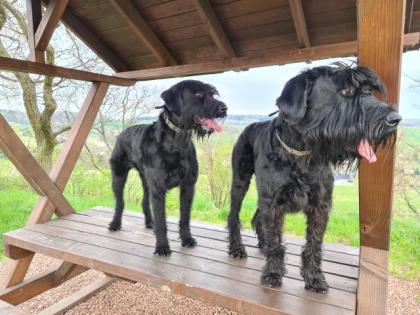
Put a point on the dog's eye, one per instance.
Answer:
(199, 94)
(347, 92)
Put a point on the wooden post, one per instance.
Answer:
(34, 16)
(60, 174)
(380, 39)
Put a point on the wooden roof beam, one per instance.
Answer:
(297, 55)
(299, 21)
(17, 65)
(49, 22)
(94, 42)
(142, 30)
(34, 16)
(215, 28)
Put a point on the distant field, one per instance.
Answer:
(89, 187)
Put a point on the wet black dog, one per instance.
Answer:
(328, 116)
(164, 155)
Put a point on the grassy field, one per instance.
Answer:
(89, 187)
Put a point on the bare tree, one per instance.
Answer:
(13, 36)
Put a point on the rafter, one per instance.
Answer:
(142, 30)
(298, 16)
(49, 22)
(216, 31)
(93, 41)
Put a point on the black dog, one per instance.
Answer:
(164, 155)
(327, 116)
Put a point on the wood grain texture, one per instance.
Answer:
(380, 37)
(60, 173)
(140, 27)
(49, 22)
(373, 281)
(38, 284)
(214, 27)
(299, 21)
(259, 59)
(17, 65)
(77, 297)
(34, 16)
(205, 272)
(93, 41)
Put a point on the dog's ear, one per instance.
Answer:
(292, 102)
(171, 98)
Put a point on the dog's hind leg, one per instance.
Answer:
(186, 198)
(145, 204)
(311, 272)
(257, 225)
(242, 170)
(120, 169)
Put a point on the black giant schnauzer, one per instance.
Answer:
(328, 116)
(164, 155)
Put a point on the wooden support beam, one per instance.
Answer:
(60, 173)
(216, 31)
(143, 31)
(304, 54)
(23, 159)
(78, 297)
(34, 16)
(408, 15)
(14, 252)
(49, 22)
(298, 16)
(373, 281)
(17, 65)
(38, 284)
(380, 38)
(92, 40)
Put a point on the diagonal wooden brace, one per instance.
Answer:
(20, 156)
(60, 173)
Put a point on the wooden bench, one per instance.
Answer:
(205, 272)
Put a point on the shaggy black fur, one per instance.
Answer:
(329, 111)
(165, 158)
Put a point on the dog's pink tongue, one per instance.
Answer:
(206, 122)
(366, 150)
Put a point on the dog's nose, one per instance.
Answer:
(223, 109)
(393, 119)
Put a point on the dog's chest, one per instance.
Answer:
(293, 186)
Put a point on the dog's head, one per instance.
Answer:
(193, 105)
(335, 110)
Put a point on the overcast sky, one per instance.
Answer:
(255, 91)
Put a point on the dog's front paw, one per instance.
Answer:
(318, 285)
(163, 250)
(237, 251)
(271, 279)
(149, 224)
(115, 225)
(188, 242)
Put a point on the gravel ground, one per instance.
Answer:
(135, 298)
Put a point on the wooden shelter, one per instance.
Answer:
(151, 39)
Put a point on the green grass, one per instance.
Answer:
(343, 226)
